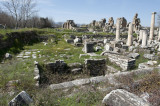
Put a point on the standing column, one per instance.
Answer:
(118, 30)
(159, 34)
(144, 39)
(130, 35)
(140, 35)
(152, 26)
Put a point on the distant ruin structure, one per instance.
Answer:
(69, 24)
(123, 22)
(136, 22)
(99, 24)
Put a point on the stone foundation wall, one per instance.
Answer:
(124, 62)
(57, 67)
(95, 67)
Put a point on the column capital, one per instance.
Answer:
(154, 12)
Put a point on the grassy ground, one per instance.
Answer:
(141, 59)
(22, 70)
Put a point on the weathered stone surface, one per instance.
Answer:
(152, 63)
(69, 24)
(56, 86)
(123, 22)
(110, 78)
(147, 64)
(83, 55)
(123, 61)
(130, 35)
(150, 56)
(59, 66)
(76, 70)
(125, 47)
(110, 69)
(144, 39)
(108, 47)
(89, 47)
(75, 65)
(152, 26)
(8, 56)
(36, 73)
(77, 40)
(97, 79)
(81, 82)
(26, 57)
(136, 22)
(145, 96)
(131, 48)
(118, 44)
(98, 48)
(106, 41)
(147, 51)
(69, 40)
(22, 99)
(78, 82)
(92, 54)
(133, 55)
(143, 65)
(122, 97)
(116, 49)
(118, 29)
(72, 37)
(95, 67)
(79, 44)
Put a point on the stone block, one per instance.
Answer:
(59, 66)
(150, 56)
(125, 47)
(95, 67)
(122, 97)
(69, 40)
(22, 99)
(133, 55)
(89, 47)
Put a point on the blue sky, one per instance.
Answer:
(84, 11)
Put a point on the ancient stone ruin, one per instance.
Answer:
(95, 67)
(136, 22)
(109, 58)
(22, 99)
(69, 24)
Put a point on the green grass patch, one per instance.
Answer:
(140, 59)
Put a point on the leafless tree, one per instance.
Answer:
(21, 10)
(28, 10)
(158, 19)
(6, 19)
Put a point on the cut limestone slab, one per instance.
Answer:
(22, 99)
(122, 97)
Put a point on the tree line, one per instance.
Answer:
(22, 14)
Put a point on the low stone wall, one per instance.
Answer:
(89, 47)
(123, 61)
(110, 78)
(36, 74)
(78, 82)
(58, 67)
(95, 67)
